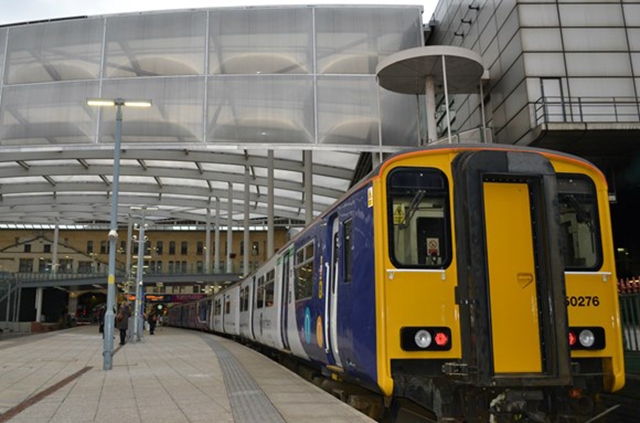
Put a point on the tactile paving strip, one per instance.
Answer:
(249, 403)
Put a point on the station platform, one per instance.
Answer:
(172, 376)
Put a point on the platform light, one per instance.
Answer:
(119, 103)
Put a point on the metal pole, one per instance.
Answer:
(139, 291)
(39, 294)
(446, 96)
(113, 240)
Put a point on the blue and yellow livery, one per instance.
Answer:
(461, 283)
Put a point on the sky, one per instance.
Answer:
(14, 11)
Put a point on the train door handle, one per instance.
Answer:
(524, 279)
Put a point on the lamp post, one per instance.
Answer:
(113, 227)
(142, 246)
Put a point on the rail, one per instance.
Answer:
(629, 290)
(587, 110)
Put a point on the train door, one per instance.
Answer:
(511, 280)
(332, 291)
(252, 294)
(286, 299)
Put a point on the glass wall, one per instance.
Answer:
(293, 75)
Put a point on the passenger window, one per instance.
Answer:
(260, 296)
(269, 288)
(304, 272)
(418, 216)
(348, 250)
(579, 222)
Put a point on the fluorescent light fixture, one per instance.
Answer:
(137, 103)
(118, 102)
(100, 102)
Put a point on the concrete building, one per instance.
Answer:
(563, 75)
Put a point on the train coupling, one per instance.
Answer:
(517, 405)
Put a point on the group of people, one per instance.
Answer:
(122, 320)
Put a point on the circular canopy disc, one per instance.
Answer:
(406, 72)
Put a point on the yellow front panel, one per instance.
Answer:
(512, 283)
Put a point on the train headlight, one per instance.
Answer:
(587, 338)
(423, 339)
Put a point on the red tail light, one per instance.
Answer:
(441, 339)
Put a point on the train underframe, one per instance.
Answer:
(450, 399)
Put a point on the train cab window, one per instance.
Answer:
(579, 227)
(304, 272)
(269, 288)
(418, 216)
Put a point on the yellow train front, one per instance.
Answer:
(495, 285)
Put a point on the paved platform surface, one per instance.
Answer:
(173, 376)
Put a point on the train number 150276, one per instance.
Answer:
(580, 301)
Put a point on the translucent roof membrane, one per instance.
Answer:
(227, 85)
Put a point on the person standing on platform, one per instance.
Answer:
(152, 320)
(122, 320)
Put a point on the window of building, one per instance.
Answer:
(103, 247)
(26, 265)
(184, 248)
(199, 266)
(183, 267)
(172, 248)
(85, 267)
(89, 247)
(304, 271)
(123, 247)
(242, 248)
(159, 248)
(579, 222)
(47, 248)
(66, 266)
(171, 267)
(255, 249)
(44, 265)
(199, 248)
(27, 248)
(418, 218)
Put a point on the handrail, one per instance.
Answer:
(555, 109)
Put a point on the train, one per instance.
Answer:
(459, 283)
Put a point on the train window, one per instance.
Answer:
(227, 305)
(304, 272)
(418, 216)
(348, 250)
(579, 227)
(269, 288)
(260, 296)
(242, 300)
(217, 308)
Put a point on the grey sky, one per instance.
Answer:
(13, 11)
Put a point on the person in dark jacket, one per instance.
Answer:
(152, 319)
(122, 320)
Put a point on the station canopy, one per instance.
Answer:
(227, 86)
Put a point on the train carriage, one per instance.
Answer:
(466, 283)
